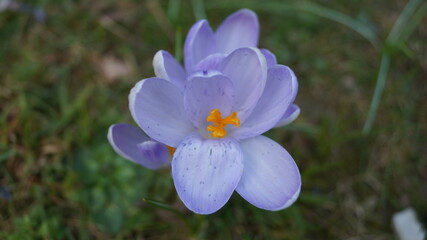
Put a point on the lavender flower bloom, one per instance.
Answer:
(215, 123)
(213, 113)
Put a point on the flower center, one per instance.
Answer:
(217, 128)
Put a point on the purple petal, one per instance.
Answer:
(154, 152)
(126, 139)
(212, 62)
(203, 94)
(199, 44)
(247, 69)
(274, 102)
(294, 86)
(271, 179)
(157, 106)
(166, 67)
(269, 57)
(241, 29)
(290, 115)
(206, 172)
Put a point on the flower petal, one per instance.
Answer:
(241, 29)
(269, 57)
(247, 69)
(294, 86)
(203, 94)
(126, 139)
(166, 67)
(199, 44)
(290, 115)
(157, 106)
(154, 151)
(206, 172)
(274, 102)
(212, 62)
(271, 179)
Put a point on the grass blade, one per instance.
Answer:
(379, 88)
(173, 10)
(341, 18)
(414, 22)
(198, 9)
(164, 206)
(162, 19)
(396, 35)
(178, 44)
(402, 21)
(161, 205)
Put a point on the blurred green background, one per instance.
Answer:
(360, 141)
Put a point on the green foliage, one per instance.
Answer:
(60, 179)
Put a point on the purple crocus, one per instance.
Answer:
(214, 112)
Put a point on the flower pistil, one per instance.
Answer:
(217, 128)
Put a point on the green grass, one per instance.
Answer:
(56, 104)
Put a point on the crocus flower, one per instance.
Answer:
(215, 123)
(213, 113)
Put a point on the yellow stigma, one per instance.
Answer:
(217, 128)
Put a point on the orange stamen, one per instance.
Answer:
(217, 128)
(171, 150)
